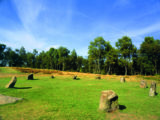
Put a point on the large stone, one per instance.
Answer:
(152, 91)
(122, 79)
(143, 84)
(30, 77)
(108, 101)
(7, 99)
(12, 82)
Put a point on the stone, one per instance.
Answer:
(75, 77)
(143, 84)
(152, 91)
(108, 101)
(12, 82)
(30, 77)
(122, 79)
(8, 99)
(98, 77)
(52, 76)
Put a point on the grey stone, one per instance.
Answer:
(122, 79)
(152, 91)
(108, 101)
(98, 77)
(8, 99)
(12, 82)
(143, 84)
(75, 77)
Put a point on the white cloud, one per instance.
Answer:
(149, 29)
(28, 11)
(16, 39)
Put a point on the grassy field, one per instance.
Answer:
(63, 98)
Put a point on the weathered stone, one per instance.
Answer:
(152, 91)
(75, 77)
(143, 84)
(98, 77)
(108, 101)
(52, 76)
(7, 99)
(30, 77)
(12, 82)
(122, 79)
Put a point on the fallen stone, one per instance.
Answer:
(152, 91)
(8, 99)
(12, 82)
(122, 79)
(30, 77)
(143, 84)
(108, 101)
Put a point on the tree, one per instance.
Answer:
(73, 59)
(150, 55)
(2, 56)
(79, 63)
(96, 53)
(12, 57)
(23, 56)
(126, 49)
(111, 58)
(63, 54)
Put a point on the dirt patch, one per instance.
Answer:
(124, 116)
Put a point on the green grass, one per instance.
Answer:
(63, 98)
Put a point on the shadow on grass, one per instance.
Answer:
(34, 79)
(77, 79)
(22, 87)
(122, 107)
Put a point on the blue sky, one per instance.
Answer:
(42, 24)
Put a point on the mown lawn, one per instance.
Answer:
(63, 98)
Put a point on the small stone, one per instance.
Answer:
(143, 84)
(75, 77)
(30, 77)
(12, 82)
(108, 101)
(152, 91)
(122, 79)
(98, 77)
(52, 76)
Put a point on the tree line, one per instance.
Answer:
(102, 58)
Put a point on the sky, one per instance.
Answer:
(42, 24)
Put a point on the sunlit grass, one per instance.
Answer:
(63, 98)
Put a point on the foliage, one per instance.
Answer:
(102, 58)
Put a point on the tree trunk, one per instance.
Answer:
(156, 67)
(109, 69)
(126, 69)
(99, 66)
(63, 66)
